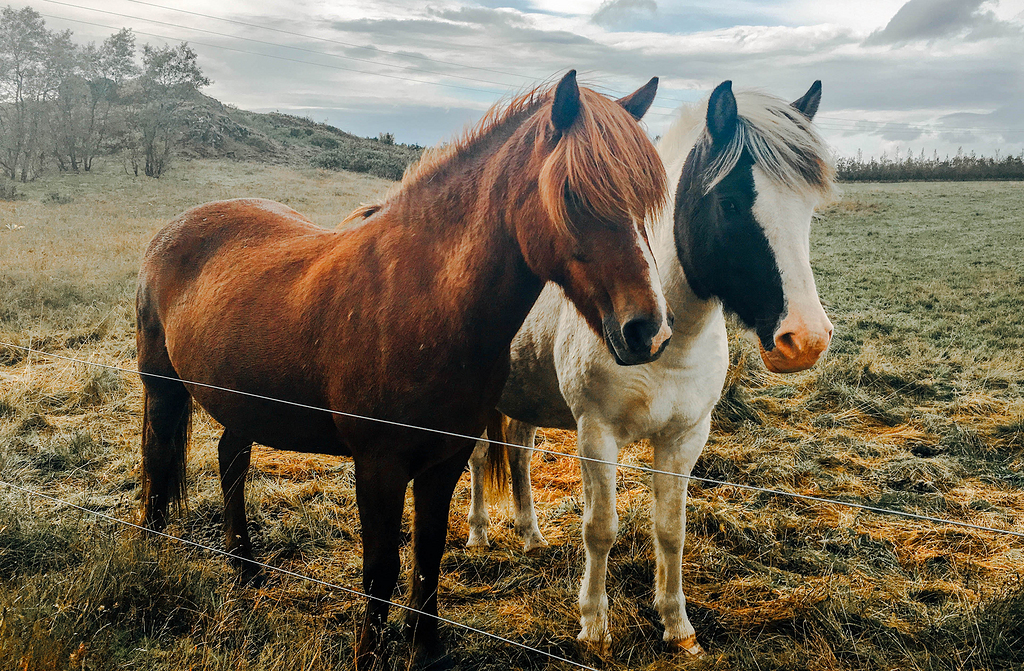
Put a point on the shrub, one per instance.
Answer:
(55, 198)
(9, 191)
(388, 161)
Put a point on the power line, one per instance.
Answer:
(273, 44)
(841, 124)
(605, 462)
(859, 122)
(280, 58)
(293, 574)
(330, 41)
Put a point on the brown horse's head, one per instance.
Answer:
(586, 180)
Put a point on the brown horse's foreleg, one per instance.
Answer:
(233, 452)
(432, 491)
(380, 495)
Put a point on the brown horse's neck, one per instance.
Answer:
(457, 226)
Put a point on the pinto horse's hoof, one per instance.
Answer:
(689, 645)
(534, 544)
(597, 645)
(478, 540)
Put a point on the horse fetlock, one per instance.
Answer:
(478, 537)
(529, 531)
(595, 635)
(689, 645)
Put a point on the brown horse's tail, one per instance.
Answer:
(166, 432)
(498, 471)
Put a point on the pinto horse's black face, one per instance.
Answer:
(746, 248)
(724, 250)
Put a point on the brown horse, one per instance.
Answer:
(405, 314)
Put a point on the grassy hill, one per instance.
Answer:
(216, 130)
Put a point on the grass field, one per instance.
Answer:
(919, 407)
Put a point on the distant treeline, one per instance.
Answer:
(919, 168)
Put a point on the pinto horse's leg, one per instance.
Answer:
(380, 495)
(519, 460)
(600, 524)
(676, 454)
(479, 520)
(234, 453)
(432, 492)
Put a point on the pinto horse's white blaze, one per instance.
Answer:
(805, 332)
(747, 172)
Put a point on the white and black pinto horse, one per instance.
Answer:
(749, 171)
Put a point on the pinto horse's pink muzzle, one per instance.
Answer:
(798, 345)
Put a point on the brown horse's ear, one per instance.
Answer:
(638, 102)
(566, 106)
(722, 114)
(808, 104)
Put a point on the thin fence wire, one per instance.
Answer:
(293, 574)
(581, 458)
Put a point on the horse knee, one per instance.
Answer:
(599, 533)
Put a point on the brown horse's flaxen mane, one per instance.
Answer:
(601, 158)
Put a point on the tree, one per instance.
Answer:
(170, 78)
(24, 77)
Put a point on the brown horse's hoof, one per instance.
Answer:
(433, 660)
(250, 574)
(688, 645)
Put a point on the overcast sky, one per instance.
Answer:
(931, 74)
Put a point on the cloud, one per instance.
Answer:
(614, 14)
(934, 19)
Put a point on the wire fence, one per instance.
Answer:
(293, 574)
(356, 593)
(579, 457)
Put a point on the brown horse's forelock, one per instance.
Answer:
(605, 159)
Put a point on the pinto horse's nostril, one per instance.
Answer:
(787, 343)
(639, 332)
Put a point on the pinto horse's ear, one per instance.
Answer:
(808, 104)
(722, 114)
(566, 106)
(638, 102)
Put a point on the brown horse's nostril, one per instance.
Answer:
(639, 333)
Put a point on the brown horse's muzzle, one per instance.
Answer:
(641, 339)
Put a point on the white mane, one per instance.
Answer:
(781, 140)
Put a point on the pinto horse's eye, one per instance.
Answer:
(729, 206)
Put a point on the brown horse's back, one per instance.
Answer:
(263, 251)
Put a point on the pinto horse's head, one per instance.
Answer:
(743, 210)
(586, 179)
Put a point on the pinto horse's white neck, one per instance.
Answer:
(691, 312)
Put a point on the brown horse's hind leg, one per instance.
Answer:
(166, 425)
(432, 491)
(234, 453)
(380, 495)
(166, 418)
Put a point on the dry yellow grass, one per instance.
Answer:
(919, 407)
